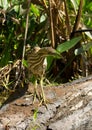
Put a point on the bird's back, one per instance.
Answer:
(36, 59)
(35, 63)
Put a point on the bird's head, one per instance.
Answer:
(49, 51)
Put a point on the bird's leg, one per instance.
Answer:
(43, 94)
(43, 100)
(36, 93)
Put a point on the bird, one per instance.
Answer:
(36, 60)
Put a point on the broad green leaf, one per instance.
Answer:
(49, 61)
(62, 48)
(82, 49)
(51, 58)
(68, 45)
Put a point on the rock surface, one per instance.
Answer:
(70, 109)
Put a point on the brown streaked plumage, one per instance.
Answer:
(36, 64)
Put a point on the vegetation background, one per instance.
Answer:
(66, 25)
(50, 23)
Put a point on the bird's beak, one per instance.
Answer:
(56, 54)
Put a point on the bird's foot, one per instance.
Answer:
(43, 101)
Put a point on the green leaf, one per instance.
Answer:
(25, 63)
(35, 114)
(75, 4)
(49, 61)
(4, 3)
(82, 49)
(89, 6)
(68, 45)
(35, 10)
(51, 58)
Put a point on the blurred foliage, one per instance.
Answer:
(51, 23)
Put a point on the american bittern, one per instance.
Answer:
(37, 66)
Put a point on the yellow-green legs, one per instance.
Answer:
(40, 95)
(43, 97)
(36, 93)
(43, 94)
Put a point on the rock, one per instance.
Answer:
(71, 108)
